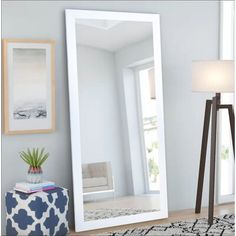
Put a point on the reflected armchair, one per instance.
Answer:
(97, 178)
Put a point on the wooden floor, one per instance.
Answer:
(173, 216)
(145, 202)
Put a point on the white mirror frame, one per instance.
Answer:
(71, 17)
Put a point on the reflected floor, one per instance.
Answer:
(123, 206)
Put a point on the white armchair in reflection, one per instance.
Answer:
(97, 178)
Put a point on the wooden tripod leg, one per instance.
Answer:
(212, 161)
(231, 120)
(203, 156)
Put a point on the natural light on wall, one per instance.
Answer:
(226, 160)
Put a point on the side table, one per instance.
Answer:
(41, 213)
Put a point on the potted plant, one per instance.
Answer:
(34, 158)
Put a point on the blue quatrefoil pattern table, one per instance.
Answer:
(37, 214)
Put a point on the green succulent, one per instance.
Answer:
(35, 157)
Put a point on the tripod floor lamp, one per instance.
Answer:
(217, 77)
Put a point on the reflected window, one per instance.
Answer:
(226, 160)
(149, 127)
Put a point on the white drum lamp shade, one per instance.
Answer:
(213, 76)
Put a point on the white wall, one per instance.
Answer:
(189, 30)
(100, 123)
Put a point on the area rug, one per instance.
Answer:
(223, 225)
(105, 213)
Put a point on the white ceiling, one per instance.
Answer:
(111, 35)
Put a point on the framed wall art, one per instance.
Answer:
(29, 86)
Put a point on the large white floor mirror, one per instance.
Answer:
(116, 115)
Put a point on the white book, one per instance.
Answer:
(29, 186)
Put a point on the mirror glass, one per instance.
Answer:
(117, 107)
(116, 110)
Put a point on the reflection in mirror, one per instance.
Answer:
(118, 118)
(149, 128)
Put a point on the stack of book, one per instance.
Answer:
(25, 187)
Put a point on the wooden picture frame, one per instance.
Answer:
(28, 86)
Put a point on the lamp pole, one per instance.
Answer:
(214, 106)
